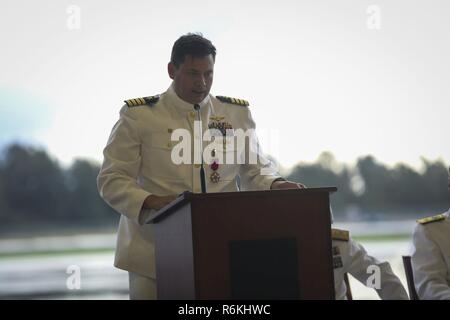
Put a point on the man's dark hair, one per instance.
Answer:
(193, 44)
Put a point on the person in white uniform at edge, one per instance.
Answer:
(350, 257)
(430, 259)
(138, 175)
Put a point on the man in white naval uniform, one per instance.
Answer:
(138, 174)
(351, 257)
(431, 256)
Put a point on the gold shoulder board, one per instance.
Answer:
(426, 220)
(239, 102)
(151, 100)
(337, 234)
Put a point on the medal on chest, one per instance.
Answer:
(218, 123)
(214, 166)
(220, 129)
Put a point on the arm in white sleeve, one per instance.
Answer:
(360, 267)
(429, 268)
(117, 180)
(258, 172)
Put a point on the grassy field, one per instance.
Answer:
(99, 250)
(27, 254)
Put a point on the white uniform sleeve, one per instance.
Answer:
(259, 174)
(117, 180)
(429, 268)
(390, 287)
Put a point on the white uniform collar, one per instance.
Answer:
(182, 105)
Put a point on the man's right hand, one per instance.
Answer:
(157, 202)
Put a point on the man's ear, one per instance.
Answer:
(171, 70)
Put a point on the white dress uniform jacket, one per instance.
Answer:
(431, 257)
(137, 163)
(351, 257)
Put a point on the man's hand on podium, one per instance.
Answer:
(158, 202)
(277, 185)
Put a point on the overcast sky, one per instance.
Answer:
(352, 77)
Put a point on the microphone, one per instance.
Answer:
(202, 169)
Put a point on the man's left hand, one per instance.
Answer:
(277, 185)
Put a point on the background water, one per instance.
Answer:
(41, 267)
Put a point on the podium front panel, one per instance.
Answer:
(285, 239)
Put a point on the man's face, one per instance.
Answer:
(193, 79)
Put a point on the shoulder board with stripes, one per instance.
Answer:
(151, 100)
(239, 102)
(426, 220)
(337, 234)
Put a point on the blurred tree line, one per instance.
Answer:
(35, 190)
(373, 188)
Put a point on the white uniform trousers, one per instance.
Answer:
(141, 288)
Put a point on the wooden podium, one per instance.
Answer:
(245, 245)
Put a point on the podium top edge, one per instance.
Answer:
(188, 196)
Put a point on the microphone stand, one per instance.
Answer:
(202, 169)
